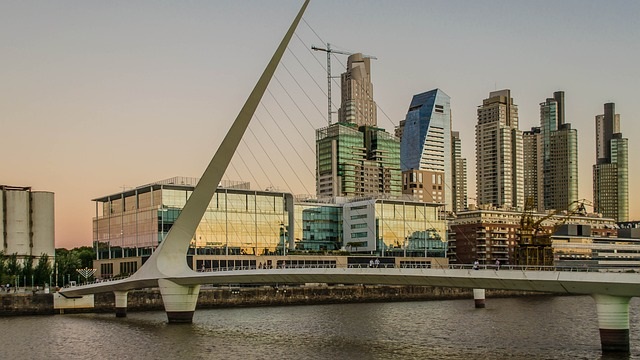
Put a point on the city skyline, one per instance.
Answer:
(96, 97)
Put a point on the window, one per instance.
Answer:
(106, 270)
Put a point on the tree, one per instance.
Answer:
(13, 266)
(27, 269)
(43, 270)
(3, 269)
(66, 264)
(85, 254)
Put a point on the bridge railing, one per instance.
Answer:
(267, 267)
(96, 281)
(481, 267)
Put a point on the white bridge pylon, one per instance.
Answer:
(169, 260)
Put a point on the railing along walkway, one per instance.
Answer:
(482, 267)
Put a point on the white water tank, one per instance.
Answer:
(43, 223)
(17, 222)
(27, 222)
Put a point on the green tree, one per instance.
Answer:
(68, 261)
(43, 270)
(3, 269)
(27, 270)
(85, 254)
(66, 264)
(13, 268)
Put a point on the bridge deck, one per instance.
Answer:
(553, 281)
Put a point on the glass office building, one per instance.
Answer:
(237, 221)
(426, 145)
(317, 227)
(394, 228)
(356, 161)
(340, 153)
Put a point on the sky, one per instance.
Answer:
(97, 97)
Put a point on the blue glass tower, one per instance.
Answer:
(426, 142)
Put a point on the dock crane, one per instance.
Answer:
(534, 243)
(329, 51)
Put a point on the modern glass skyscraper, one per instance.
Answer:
(353, 162)
(611, 171)
(354, 157)
(426, 149)
(499, 154)
(559, 156)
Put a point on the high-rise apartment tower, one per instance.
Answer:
(611, 171)
(533, 192)
(558, 173)
(499, 153)
(458, 173)
(357, 104)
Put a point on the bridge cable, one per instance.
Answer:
(248, 168)
(281, 154)
(294, 126)
(269, 156)
(296, 104)
(304, 92)
(288, 140)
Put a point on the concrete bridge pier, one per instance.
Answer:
(179, 301)
(478, 297)
(613, 320)
(121, 303)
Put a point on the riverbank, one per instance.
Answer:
(221, 297)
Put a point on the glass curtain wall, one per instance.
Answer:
(318, 227)
(410, 229)
(236, 222)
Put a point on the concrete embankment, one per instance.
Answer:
(26, 304)
(145, 300)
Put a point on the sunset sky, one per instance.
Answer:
(97, 96)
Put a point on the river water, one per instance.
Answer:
(540, 327)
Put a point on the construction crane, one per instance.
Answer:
(329, 51)
(534, 244)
